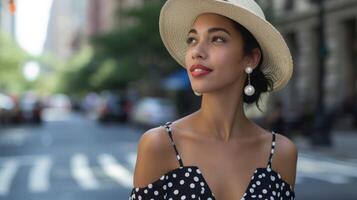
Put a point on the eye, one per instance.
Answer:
(190, 40)
(218, 39)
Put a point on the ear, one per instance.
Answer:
(254, 57)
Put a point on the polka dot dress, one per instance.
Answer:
(187, 182)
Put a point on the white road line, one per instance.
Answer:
(39, 175)
(131, 158)
(7, 174)
(115, 170)
(82, 173)
(331, 171)
(330, 178)
(308, 165)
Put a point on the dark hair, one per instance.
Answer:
(260, 81)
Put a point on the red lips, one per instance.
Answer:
(199, 70)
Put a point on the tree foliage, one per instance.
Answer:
(131, 51)
(12, 57)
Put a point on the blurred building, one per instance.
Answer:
(298, 21)
(66, 22)
(73, 23)
(7, 21)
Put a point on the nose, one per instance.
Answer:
(199, 51)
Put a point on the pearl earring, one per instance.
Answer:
(249, 89)
(197, 93)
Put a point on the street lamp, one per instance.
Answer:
(323, 119)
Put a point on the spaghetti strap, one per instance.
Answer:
(169, 131)
(271, 151)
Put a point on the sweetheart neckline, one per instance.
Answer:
(205, 181)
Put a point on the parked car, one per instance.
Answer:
(113, 107)
(153, 111)
(7, 109)
(31, 108)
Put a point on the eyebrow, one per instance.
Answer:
(211, 30)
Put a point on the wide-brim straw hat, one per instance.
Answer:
(178, 16)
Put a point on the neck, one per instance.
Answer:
(222, 114)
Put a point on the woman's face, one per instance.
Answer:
(214, 42)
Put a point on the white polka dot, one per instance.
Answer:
(269, 169)
(176, 192)
(137, 189)
(258, 182)
(187, 174)
(162, 177)
(202, 183)
(272, 178)
(198, 171)
(189, 169)
(271, 198)
(277, 185)
(150, 185)
(156, 193)
(260, 196)
(251, 190)
(264, 191)
(193, 196)
(254, 185)
(195, 179)
(183, 197)
(145, 191)
(174, 175)
(192, 185)
(164, 187)
(182, 182)
(287, 193)
(169, 184)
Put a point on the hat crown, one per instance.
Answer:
(249, 5)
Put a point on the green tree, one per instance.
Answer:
(12, 57)
(132, 51)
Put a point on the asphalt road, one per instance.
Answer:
(70, 157)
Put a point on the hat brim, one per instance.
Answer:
(177, 17)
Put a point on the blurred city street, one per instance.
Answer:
(71, 157)
(81, 80)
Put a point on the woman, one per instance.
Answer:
(232, 55)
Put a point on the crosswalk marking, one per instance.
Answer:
(82, 173)
(131, 158)
(39, 175)
(7, 174)
(115, 170)
(330, 171)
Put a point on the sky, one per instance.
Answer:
(31, 23)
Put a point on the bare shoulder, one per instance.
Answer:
(285, 158)
(154, 158)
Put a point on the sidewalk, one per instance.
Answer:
(344, 147)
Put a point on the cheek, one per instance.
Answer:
(187, 59)
(228, 61)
